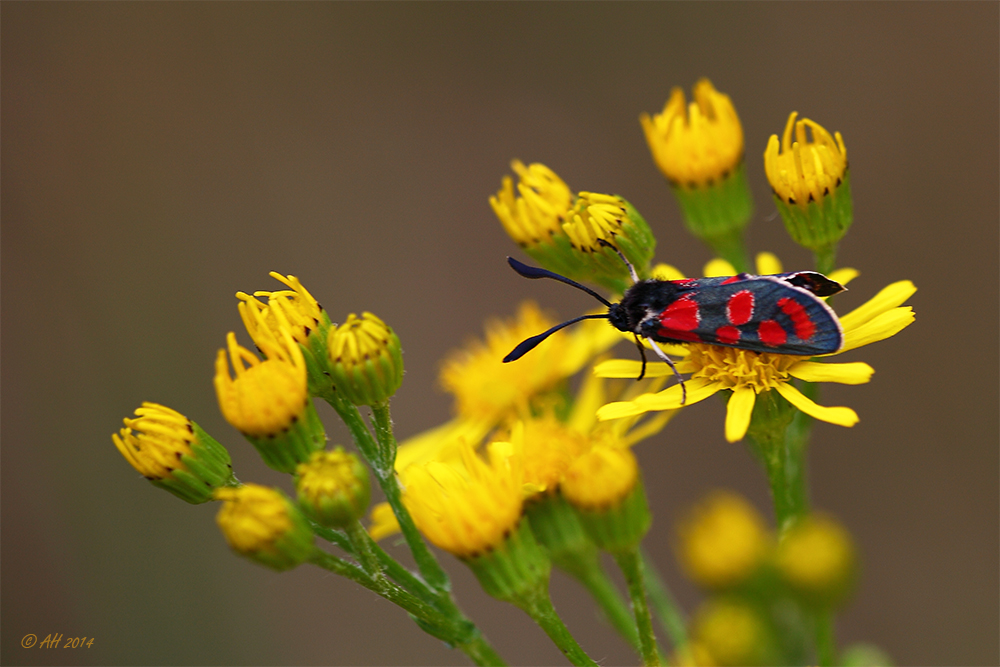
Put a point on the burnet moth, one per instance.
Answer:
(780, 313)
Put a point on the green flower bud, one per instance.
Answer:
(174, 453)
(366, 360)
(333, 488)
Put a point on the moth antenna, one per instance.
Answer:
(529, 344)
(642, 352)
(535, 273)
(631, 269)
(670, 362)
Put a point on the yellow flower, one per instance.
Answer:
(468, 507)
(383, 522)
(817, 559)
(293, 309)
(805, 171)
(266, 396)
(537, 215)
(747, 374)
(263, 525)
(174, 453)
(722, 541)
(697, 144)
(488, 391)
(601, 478)
(366, 359)
(733, 632)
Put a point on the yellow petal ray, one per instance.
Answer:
(837, 415)
(718, 268)
(844, 276)
(738, 412)
(857, 372)
(666, 272)
(882, 327)
(890, 297)
(768, 263)
(698, 389)
(630, 368)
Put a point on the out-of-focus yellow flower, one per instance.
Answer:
(333, 487)
(263, 525)
(816, 557)
(466, 507)
(488, 390)
(732, 632)
(723, 541)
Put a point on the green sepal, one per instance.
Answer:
(372, 381)
(205, 469)
(516, 570)
(820, 225)
(317, 360)
(719, 208)
(557, 528)
(621, 527)
(295, 444)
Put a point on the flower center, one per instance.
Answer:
(740, 368)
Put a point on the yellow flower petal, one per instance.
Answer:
(738, 412)
(844, 276)
(890, 297)
(857, 372)
(837, 415)
(882, 327)
(717, 268)
(768, 263)
(666, 272)
(698, 389)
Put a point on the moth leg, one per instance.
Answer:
(642, 351)
(670, 362)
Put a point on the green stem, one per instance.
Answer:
(383, 432)
(826, 258)
(825, 645)
(783, 458)
(381, 586)
(670, 614)
(385, 473)
(480, 651)
(588, 571)
(538, 605)
(730, 248)
(631, 566)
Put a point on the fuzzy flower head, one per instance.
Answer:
(466, 507)
(802, 171)
(366, 359)
(487, 390)
(695, 144)
(747, 374)
(262, 524)
(265, 397)
(535, 213)
(293, 309)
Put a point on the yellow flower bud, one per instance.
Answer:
(816, 557)
(265, 526)
(366, 360)
(333, 487)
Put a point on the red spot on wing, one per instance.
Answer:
(681, 315)
(729, 335)
(771, 333)
(684, 281)
(734, 279)
(801, 322)
(739, 308)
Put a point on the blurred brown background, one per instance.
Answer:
(157, 158)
